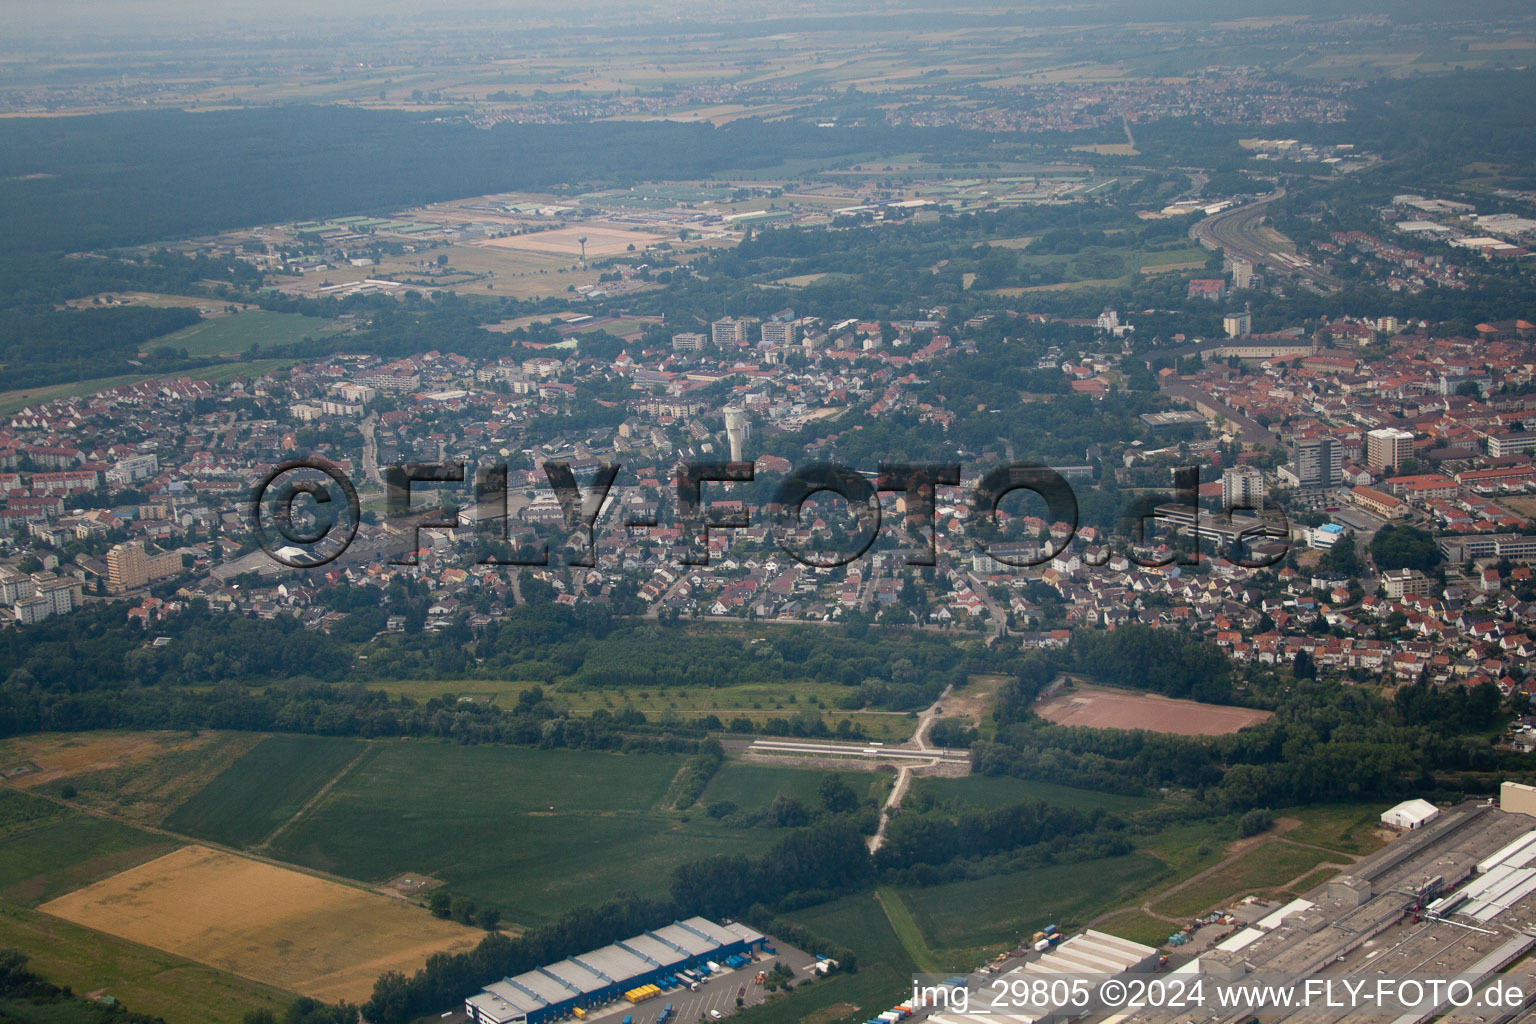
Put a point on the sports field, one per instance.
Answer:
(263, 922)
(1109, 709)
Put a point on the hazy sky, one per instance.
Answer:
(136, 17)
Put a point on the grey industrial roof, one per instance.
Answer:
(577, 975)
(659, 951)
(719, 934)
(743, 932)
(621, 963)
(514, 997)
(677, 935)
(618, 963)
(543, 986)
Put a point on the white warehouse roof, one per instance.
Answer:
(1410, 814)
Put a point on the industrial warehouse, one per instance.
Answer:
(1454, 894)
(576, 984)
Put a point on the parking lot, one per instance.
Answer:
(717, 993)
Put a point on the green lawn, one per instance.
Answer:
(967, 922)
(1000, 791)
(232, 334)
(535, 832)
(246, 802)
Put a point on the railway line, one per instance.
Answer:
(1235, 232)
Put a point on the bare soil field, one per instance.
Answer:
(263, 922)
(566, 241)
(1107, 709)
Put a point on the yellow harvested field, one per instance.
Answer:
(567, 241)
(263, 922)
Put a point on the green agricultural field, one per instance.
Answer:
(47, 850)
(535, 832)
(1000, 791)
(233, 334)
(145, 980)
(965, 922)
(753, 786)
(258, 793)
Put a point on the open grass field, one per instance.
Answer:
(145, 980)
(138, 776)
(1264, 867)
(263, 922)
(601, 241)
(1113, 709)
(753, 786)
(1137, 926)
(534, 832)
(41, 863)
(999, 791)
(1354, 829)
(1190, 258)
(232, 335)
(41, 758)
(885, 970)
(47, 849)
(907, 930)
(255, 795)
(967, 922)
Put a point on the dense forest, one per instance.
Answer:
(1325, 740)
(143, 177)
